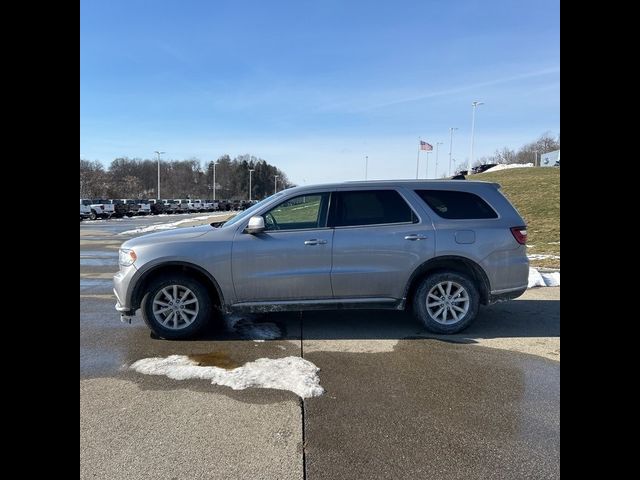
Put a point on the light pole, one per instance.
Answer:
(366, 165)
(435, 175)
(159, 153)
(473, 124)
(251, 170)
(451, 129)
(275, 184)
(213, 164)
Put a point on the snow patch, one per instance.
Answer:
(551, 279)
(510, 165)
(168, 226)
(537, 279)
(541, 256)
(245, 325)
(290, 373)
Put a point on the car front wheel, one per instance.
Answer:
(446, 302)
(176, 307)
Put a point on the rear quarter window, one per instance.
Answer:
(455, 205)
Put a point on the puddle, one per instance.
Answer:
(214, 359)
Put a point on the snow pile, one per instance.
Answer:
(247, 328)
(509, 165)
(290, 373)
(168, 226)
(537, 279)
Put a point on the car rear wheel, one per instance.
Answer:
(446, 302)
(176, 307)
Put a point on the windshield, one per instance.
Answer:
(249, 211)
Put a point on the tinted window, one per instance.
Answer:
(457, 205)
(371, 207)
(305, 211)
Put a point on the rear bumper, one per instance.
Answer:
(504, 295)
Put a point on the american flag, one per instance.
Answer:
(425, 146)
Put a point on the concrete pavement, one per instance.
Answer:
(399, 402)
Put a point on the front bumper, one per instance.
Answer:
(122, 290)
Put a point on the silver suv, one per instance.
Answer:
(439, 247)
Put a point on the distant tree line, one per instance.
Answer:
(526, 154)
(138, 178)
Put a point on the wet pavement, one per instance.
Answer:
(399, 402)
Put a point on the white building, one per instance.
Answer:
(551, 159)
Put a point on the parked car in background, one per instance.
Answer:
(98, 208)
(196, 205)
(170, 206)
(224, 205)
(183, 205)
(132, 206)
(438, 248)
(157, 207)
(144, 207)
(210, 205)
(482, 168)
(85, 210)
(120, 207)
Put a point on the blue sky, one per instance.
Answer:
(314, 86)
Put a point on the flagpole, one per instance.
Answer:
(418, 161)
(426, 170)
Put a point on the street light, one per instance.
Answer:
(275, 184)
(436, 172)
(451, 129)
(251, 170)
(214, 179)
(473, 123)
(159, 153)
(366, 165)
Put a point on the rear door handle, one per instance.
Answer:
(415, 236)
(315, 241)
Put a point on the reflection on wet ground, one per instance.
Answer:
(98, 261)
(214, 359)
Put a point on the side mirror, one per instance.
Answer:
(256, 225)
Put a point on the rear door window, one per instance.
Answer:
(457, 205)
(371, 207)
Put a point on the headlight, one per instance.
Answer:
(127, 257)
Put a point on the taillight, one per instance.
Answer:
(520, 234)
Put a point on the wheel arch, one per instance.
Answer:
(449, 263)
(176, 267)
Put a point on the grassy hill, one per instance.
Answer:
(535, 192)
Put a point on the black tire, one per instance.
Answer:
(93, 215)
(181, 330)
(439, 322)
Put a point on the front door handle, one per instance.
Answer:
(315, 241)
(415, 236)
